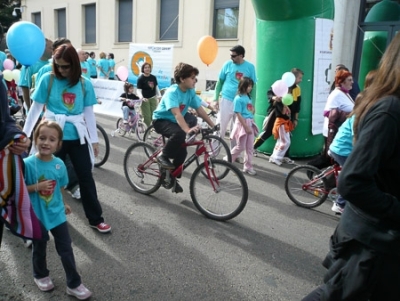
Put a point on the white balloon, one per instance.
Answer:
(288, 78)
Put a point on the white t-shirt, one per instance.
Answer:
(337, 100)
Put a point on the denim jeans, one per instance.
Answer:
(80, 158)
(126, 110)
(339, 160)
(62, 241)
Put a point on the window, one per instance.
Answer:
(37, 19)
(125, 18)
(90, 24)
(61, 23)
(226, 14)
(169, 19)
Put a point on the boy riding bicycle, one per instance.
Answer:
(168, 118)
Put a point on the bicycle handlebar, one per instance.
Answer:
(204, 132)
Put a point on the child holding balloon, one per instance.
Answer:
(244, 129)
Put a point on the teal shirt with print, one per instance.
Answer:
(174, 97)
(231, 74)
(65, 100)
(25, 78)
(242, 104)
(48, 205)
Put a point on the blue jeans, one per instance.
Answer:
(340, 160)
(62, 240)
(80, 158)
(126, 110)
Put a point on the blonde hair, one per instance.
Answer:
(50, 124)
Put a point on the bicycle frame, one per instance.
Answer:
(333, 169)
(201, 151)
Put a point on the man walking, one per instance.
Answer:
(231, 73)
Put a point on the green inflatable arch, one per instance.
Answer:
(285, 39)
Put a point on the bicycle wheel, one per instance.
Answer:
(217, 148)
(142, 173)
(121, 127)
(305, 188)
(152, 137)
(140, 130)
(219, 199)
(104, 147)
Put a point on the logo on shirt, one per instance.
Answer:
(238, 75)
(250, 107)
(47, 195)
(151, 84)
(68, 99)
(182, 107)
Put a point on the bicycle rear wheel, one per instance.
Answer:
(142, 173)
(152, 137)
(219, 199)
(305, 188)
(140, 130)
(104, 147)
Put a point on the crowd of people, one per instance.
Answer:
(361, 133)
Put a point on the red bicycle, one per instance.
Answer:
(309, 187)
(218, 189)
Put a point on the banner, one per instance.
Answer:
(160, 58)
(322, 71)
(108, 92)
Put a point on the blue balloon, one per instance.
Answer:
(26, 42)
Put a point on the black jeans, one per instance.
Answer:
(80, 158)
(72, 178)
(176, 137)
(62, 241)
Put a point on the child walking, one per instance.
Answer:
(281, 131)
(46, 176)
(244, 129)
(128, 106)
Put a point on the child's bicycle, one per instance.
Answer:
(309, 187)
(218, 188)
(135, 123)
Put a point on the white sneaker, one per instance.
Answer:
(125, 121)
(27, 243)
(277, 162)
(251, 172)
(44, 284)
(76, 194)
(80, 292)
(337, 209)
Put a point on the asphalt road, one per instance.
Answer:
(162, 248)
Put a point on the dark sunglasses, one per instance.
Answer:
(234, 55)
(64, 67)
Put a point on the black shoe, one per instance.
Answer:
(164, 162)
(177, 188)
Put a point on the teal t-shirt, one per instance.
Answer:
(104, 65)
(65, 100)
(85, 70)
(231, 74)
(92, 65)
(3, 57)
(25, 79)
(242, 104)
(48, 205)
(174, 97)
(342, 144)
(112, 65)
(43, 70)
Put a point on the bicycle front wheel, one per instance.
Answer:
(152, 137)
(104, 147)
(305, 188)
(217, 148)
(218, 199)
(142, 173)
(140, 130)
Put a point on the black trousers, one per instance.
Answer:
(176, 137)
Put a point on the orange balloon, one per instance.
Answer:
(207, 48)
